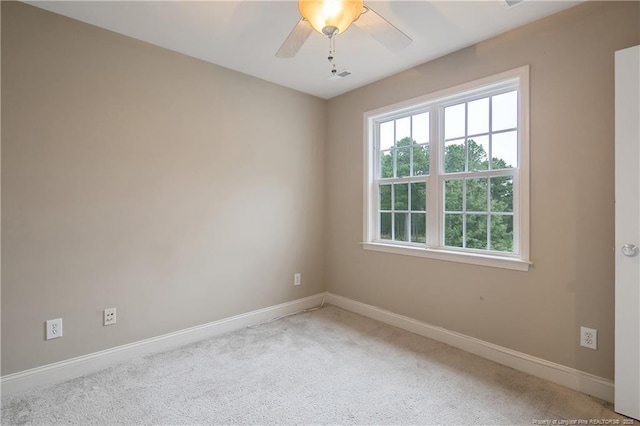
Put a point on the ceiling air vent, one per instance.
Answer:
(511, 3)
(340, 74)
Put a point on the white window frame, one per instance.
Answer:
(435, 103)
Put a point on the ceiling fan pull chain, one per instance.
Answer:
(332, 52)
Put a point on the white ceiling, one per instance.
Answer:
(245, 35)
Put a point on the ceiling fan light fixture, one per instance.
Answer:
(330, 17)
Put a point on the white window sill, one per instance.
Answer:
(502, 262)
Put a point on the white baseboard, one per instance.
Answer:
(574, 379)
(75, 367)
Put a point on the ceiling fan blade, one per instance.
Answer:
(382, 30)
(295, 39)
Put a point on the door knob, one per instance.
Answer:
(630, 250)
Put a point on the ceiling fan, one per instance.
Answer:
(333, 17)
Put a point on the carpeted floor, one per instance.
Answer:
(325, 366)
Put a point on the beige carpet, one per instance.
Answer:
(326, 366)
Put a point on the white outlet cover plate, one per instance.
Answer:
(589, 338)
(54, 328)
(109, 316)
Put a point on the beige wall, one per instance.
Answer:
(572, 217)
(133, 177)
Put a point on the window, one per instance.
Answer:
(447, 175)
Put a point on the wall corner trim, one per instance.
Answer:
(574, 379)
(23, 381)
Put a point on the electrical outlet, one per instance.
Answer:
(109, 316)
(54, 328)
(589, 338)
(297, 279)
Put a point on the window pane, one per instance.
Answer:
(476, 195)
(385, 197)
(453, 230)
(386, 164)
(403, 165)
(502, 194)
(454, 121)
(401, 226)
(385, 226)
(418, 227)
(502, 233)
(478, 152)
(504, 150)
(478, 117)
(504, 111)
(386, 135)
(477, 231)
(454, 156)
(418, 196)
(453, 195)
(403, 130)
(420, 160)
(401, 196)
(420, 127)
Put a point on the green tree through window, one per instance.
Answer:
(408, 199)
(487, 209)
(481, 206)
